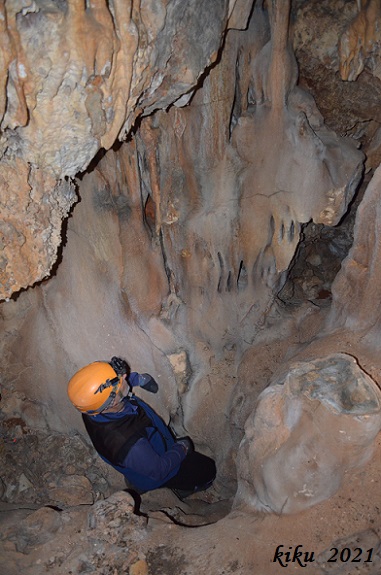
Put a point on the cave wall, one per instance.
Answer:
(75, 77)
(356, 294)
(181, 233)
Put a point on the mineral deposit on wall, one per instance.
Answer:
(75, 76)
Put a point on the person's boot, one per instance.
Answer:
(183, 493)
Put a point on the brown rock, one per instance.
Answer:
(139, 568)
(72, 490)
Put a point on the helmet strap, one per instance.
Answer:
(108, 383)
(114, 383)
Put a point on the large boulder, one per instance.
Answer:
(308, 429)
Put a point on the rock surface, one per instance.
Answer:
(308, 429)
(74, 79)
(173, 257)
(38, 542)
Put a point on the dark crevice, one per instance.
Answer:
(167, 269)
(242, 279)
(291, 232)
(271, 230)
(281, 232)
(149, 214)
(229, 281)
(221, 262)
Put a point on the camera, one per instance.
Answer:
(120, 366)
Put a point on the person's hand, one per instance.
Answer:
(186, 443)
(119, 365)
(148, 383)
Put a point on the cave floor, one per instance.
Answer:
(161, 535)
(246, 544)
(236, 542)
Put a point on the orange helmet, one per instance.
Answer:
(93, 388)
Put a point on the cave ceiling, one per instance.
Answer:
(75, 77)
(79, 77)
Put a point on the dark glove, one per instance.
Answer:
(186, 443)
(148, 383)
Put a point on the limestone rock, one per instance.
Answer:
(190, 226)
(74, 78)
(360, 43)
(339, 64)
(308, 429)
(33, 205)
(180, 365)
(45, 468)
(113, 520)
(181, 240)
(72, 490)
(36, 529)
(355, 291)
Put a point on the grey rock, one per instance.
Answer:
(309, 428)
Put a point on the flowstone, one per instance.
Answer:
(308, 429)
